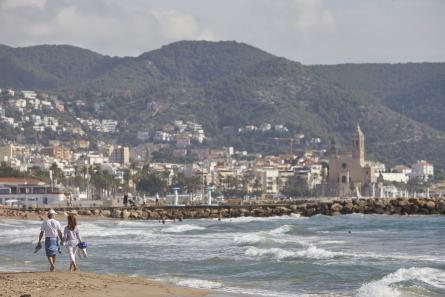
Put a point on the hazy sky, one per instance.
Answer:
(309, 31)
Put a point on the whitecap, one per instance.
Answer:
(200, 284)
(249, 239)
(281, 230)
(182, 228)
(386, 287)
(311, 252)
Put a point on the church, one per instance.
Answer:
(350, 173)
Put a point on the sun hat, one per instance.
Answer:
(51, 212)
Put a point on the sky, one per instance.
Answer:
(308, 31)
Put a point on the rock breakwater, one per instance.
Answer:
(307, 207)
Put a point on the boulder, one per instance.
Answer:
(117, 213)
(336, 207)
(106, 213)
(125, 214)
(347, 208)
(440, 206)
(430, 205)
(85, 212)
(310, 212)
(403, 202)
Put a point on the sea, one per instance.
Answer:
(347, 255)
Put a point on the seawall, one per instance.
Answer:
(307, 207)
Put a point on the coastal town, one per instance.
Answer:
(172, 165)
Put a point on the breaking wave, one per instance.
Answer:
(311, 252)
(182, 228)
(389, 285)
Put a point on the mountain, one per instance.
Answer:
(230, 84)
(416, 90)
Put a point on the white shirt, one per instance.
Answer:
(71, 237)
(50, 227)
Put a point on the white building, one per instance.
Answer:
(395, 177)
(29, 94)
(268, 177)
(265, 127)
(143, 135)
(281, 128)
(109, 126)
(29, 192)
(162, 136)
(422, 169)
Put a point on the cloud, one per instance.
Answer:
(310, 31)
(313, 15)
(15, 4)
(176, 25)
(111, 27)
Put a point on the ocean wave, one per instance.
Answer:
(281, 230)
(182, 228)
(386, 287)
(221, 287)
(114, 232)
(311, 252)
(249, 239)
(200, 284)
(263, 219)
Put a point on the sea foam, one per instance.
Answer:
(311, 252)
(386, 287)
(182, 228)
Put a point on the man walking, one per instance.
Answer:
(53, 232)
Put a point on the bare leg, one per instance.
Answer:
(51, 260)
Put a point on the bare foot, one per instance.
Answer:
(52, 268)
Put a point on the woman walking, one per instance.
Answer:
(71, 238)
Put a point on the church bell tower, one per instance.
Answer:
(358, 146)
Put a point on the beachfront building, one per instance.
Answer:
(29, 192)
(350, 173)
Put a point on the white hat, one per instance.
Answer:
(51, 212)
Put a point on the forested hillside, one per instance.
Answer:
(229, 84)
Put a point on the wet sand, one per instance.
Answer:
(86, 284)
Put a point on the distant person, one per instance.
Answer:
(72, 238)
(125, 200)
(53, 232)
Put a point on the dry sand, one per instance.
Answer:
(86, 284)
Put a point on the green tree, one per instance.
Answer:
(296, 187)
(151, 184)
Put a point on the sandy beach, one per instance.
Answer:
(86, 284)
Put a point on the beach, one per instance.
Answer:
(86, 284)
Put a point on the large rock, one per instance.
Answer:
(117, 214)
(430, 205)
(440, 206)
(134, 215)
(347, 208)
(106, 213)
(403, 202)
(85, 212)
(125, 214)
(336, 207)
